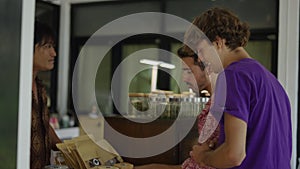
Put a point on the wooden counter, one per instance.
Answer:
(176, 155)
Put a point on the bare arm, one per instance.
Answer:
(231, 153)
(53, 138)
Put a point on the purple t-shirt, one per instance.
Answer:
(255, 96)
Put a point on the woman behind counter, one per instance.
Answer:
(43, 137)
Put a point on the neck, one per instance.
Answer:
(235, 55)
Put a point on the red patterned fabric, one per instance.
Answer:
(207, 120)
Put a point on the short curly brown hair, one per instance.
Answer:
(219, 22)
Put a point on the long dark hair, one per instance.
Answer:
(43, 33)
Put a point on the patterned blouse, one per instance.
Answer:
(203, 118)
(41, 132)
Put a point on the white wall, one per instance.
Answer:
(64, 55)
(26, 57)
(288, 53)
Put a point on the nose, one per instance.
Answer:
(53, 52)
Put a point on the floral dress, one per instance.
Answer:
(203, 119)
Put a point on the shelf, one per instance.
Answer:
(67, 133)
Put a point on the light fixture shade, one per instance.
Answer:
(157, 63)
(150, 62)
(167, 65)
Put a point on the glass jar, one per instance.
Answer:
(161, 106)
(175, 105)
(153, 104)
(203, 101)
(186, 106)
(135, 104)
(195, 106)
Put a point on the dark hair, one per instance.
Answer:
(185, 51)
(223, 23)
(43, 33)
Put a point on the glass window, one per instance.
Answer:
(265, 15)
(174, 85)
(10, 31)
(103, 83)
(86, 66)
(141, 83)
(97, 15)
(261, 51)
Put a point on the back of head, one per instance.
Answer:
(219, 22)
(43, 33)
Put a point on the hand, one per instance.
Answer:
(198, 152)
(212, 143)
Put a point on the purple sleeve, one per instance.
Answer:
(236, 99)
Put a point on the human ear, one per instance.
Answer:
(219, 42)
